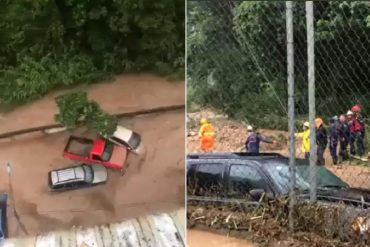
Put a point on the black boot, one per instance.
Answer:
(335, 161)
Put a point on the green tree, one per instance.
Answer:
(237, 58)
(75, 109)
(46, 44)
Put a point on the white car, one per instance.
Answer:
(127, 138)
(75, 177)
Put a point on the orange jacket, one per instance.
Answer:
(206, 130)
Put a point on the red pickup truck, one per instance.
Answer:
(97, 151)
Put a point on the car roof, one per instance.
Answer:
(261, 159)
(61, 176)
(123, 133)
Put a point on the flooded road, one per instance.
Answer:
(197, 238)
(153, 182)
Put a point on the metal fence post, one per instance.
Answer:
(290, 70)
(311, 98)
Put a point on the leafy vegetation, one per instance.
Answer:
(237, 58)
(46, 44)
(75, 108)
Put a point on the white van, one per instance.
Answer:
(127, 138)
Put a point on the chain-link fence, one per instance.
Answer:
(237, 63)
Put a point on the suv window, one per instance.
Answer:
(89, 177)
(108, 151)
(58, 186)
(209, 179)
(244, 178)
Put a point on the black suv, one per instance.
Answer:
(247, 176)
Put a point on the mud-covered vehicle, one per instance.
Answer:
(244, 178)
(96, 151)
(234, 175)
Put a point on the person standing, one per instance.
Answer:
(305, 135)
(333, 137)
(252, 144)
(359, 129)
(207, 135)
(352, 132)
(321, 140)
(344, 137)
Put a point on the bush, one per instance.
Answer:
(47, 44)
(34, 78)
(75, 108)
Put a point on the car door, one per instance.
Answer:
(243, 178)
(208, 178)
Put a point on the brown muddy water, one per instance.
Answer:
(199, 238)
(154, 182)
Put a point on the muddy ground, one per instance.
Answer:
(154, 182)
(230, 137)
(199, 238)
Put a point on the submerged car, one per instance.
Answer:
(242, 179)
(242, 175)
(75, 177)
(128, 138)
(96, 151)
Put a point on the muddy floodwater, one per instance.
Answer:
(154, 181)
(198, 238)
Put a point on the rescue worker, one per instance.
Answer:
(252, 144)
(359, 129)
(305, 135)
(321, 140)
(333, 137)
(344, 137)
(352, 132)
(207, 135)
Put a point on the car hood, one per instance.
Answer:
(100, 174)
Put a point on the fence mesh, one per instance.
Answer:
(236, 61)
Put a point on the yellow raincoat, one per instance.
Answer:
(305, 135)
(206, 133)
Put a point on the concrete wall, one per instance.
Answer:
(162, 230)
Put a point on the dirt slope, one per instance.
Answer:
(153, 182)
(230, 137)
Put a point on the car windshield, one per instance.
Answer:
(325, 178)
(134, 141)
(108, 150)
(88, 173)
(280, 174)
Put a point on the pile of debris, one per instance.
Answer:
(314, 225)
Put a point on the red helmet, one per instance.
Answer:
(356, 108)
